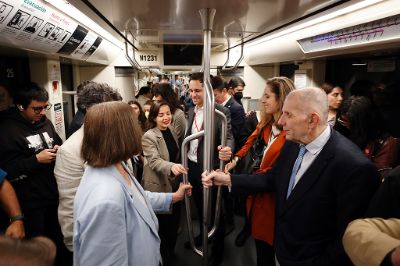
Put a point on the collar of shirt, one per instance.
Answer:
(313, 149)
(275, 130)
(224, 103)
(315, 146)
(196, 127)
(198, 109)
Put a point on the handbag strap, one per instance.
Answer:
(259, 143)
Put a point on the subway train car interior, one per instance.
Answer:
(351, 45)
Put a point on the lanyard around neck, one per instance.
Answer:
(195, 123)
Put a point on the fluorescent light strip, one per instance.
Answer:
(317, 20)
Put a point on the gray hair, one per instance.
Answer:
(94, 93)
(313, 100)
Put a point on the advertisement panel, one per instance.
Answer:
(35, 25)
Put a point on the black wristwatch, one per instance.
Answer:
(17, 217)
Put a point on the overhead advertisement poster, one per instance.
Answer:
(93, 48)
(35, 25)
(74, 41)
(84, 45)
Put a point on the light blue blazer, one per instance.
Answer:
(111, 225)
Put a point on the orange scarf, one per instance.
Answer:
(261, 206)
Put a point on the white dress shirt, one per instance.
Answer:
(197, 126)
(272, 137)
(313, 149)
(224, 103)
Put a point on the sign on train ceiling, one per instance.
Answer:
(380, 30)
(34, 25)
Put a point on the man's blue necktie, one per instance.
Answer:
(296, 168)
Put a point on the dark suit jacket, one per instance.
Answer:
(335, 189)
(386, 201)
(217, 141)
(76, 123)
(237, 117)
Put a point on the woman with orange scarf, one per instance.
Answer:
(261, 206)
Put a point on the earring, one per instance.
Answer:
(20, 107)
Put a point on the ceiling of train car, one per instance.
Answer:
(155, 22)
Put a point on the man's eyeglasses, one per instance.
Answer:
(38, 109)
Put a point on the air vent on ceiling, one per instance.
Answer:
(124, 71)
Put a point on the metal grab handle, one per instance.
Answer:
(184, 152)
(224, 133)
(224, 67)
(132, 60)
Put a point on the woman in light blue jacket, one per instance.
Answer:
(114, 219)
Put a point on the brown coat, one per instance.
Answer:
(157, 175)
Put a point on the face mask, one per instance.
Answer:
(146, 114)
(238, 96)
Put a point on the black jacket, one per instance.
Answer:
(335, 189)
(76, 123)
(237, 118)
(20, 141)
(386, 201)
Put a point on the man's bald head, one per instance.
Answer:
(304, 115)
(312, 100)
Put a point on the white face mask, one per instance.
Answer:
(146, 113)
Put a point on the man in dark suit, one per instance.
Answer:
(196, 152)
(322, 182)
(223, 98)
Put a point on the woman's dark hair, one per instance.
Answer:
(111, 134)
(168, 95)
(31, 91)
(142, 118)
(365, 123)
(143, 90)
(154, 110)
(327, 87)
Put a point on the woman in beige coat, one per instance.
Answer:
(164, 92)
(161, 171)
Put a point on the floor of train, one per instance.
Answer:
(233, 255)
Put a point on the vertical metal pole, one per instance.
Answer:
(224, 133)
(207, 20)
(184, 151)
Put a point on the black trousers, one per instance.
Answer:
(44, 222)
(168, 232)
(217, 242)
(265, 253)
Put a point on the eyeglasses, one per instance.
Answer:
(38, 109)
